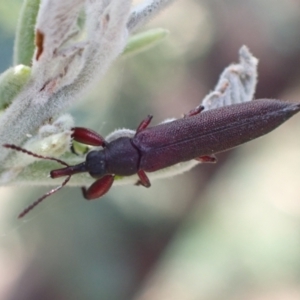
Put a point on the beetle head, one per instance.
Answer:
(95, 163)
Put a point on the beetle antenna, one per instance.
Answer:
(17, 148)
(38, 201)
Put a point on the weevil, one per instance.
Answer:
(198, 135)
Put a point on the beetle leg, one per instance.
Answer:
(88, 137)
(207, 159)
(143, 179)
(98, 188)
(194, 111)
(144, 124)
(73, 150)
(84, 150)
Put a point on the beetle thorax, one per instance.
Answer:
(122, 158)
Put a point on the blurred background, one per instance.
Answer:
(224, 231)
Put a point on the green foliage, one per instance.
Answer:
(11, 83)
(143, 41)
(24, 43)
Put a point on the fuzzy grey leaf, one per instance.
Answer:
(143, 12)
(237, 83)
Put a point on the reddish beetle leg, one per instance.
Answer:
(194, 111)
(144, 124)
(88, 137)
(98, 188)
(143, 178)
(207, 159)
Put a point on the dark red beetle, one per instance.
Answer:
(199, 135)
